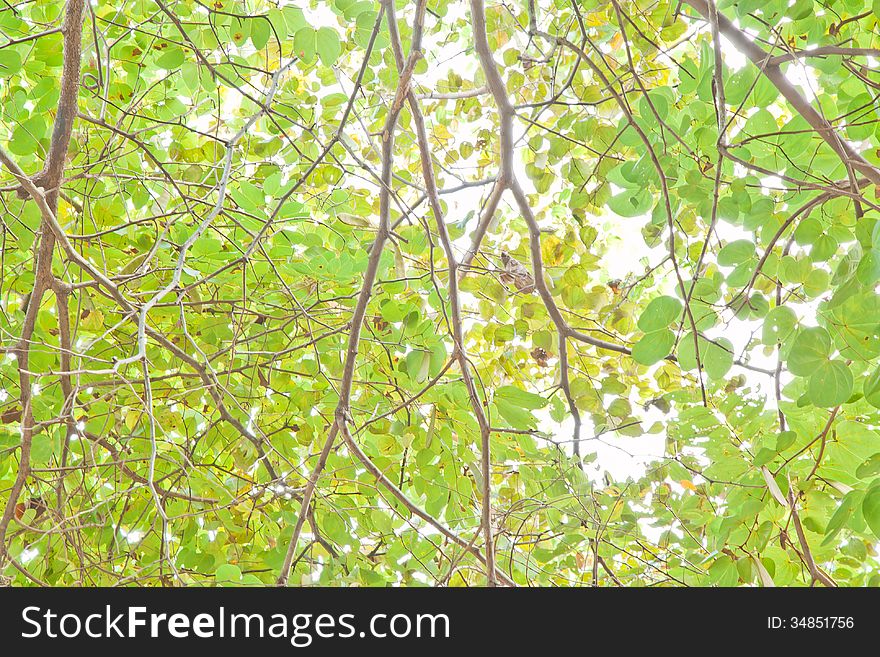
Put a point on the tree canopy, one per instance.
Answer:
(372, 293)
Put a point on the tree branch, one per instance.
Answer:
(764, 62)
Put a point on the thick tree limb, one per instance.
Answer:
(53, 168)
(50, 179)
(460, 353)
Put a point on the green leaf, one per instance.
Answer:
(328, 46)
(653, 347)
(41, 449)
(764, 456)
(871, 388)
(261, 32)
(294, 18)
(800, 9)
(808, 231)
(736, 252)
(660, 313)
(871, 510)
(279, 24)
(810, 350)
(172, 58)
(840, 517)
(719, 357)
(25, 137)
(785, 440)
(516, 417)
(10, 62)
(868, 272)
(521, 398)
(723, 572)
(831, 384)
(189, 72)
(304, 44)
(779, 324)
(857, 326)
(516, 406)
(227, 573)
(716, 356)
(869, 468)
(418, 362)
(631, 203)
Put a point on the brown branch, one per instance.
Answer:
(825, 51)
(49, 178)
(134, 476)
(62, 295)
(764, 61)
(50, 222)
(53, 168)
(30, 37)
(410, 506)
(460, 353)
(357, 319)
(815, 572)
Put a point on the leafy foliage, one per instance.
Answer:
(257, 328)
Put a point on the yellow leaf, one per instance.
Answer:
(92, 320)
(131, 419)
